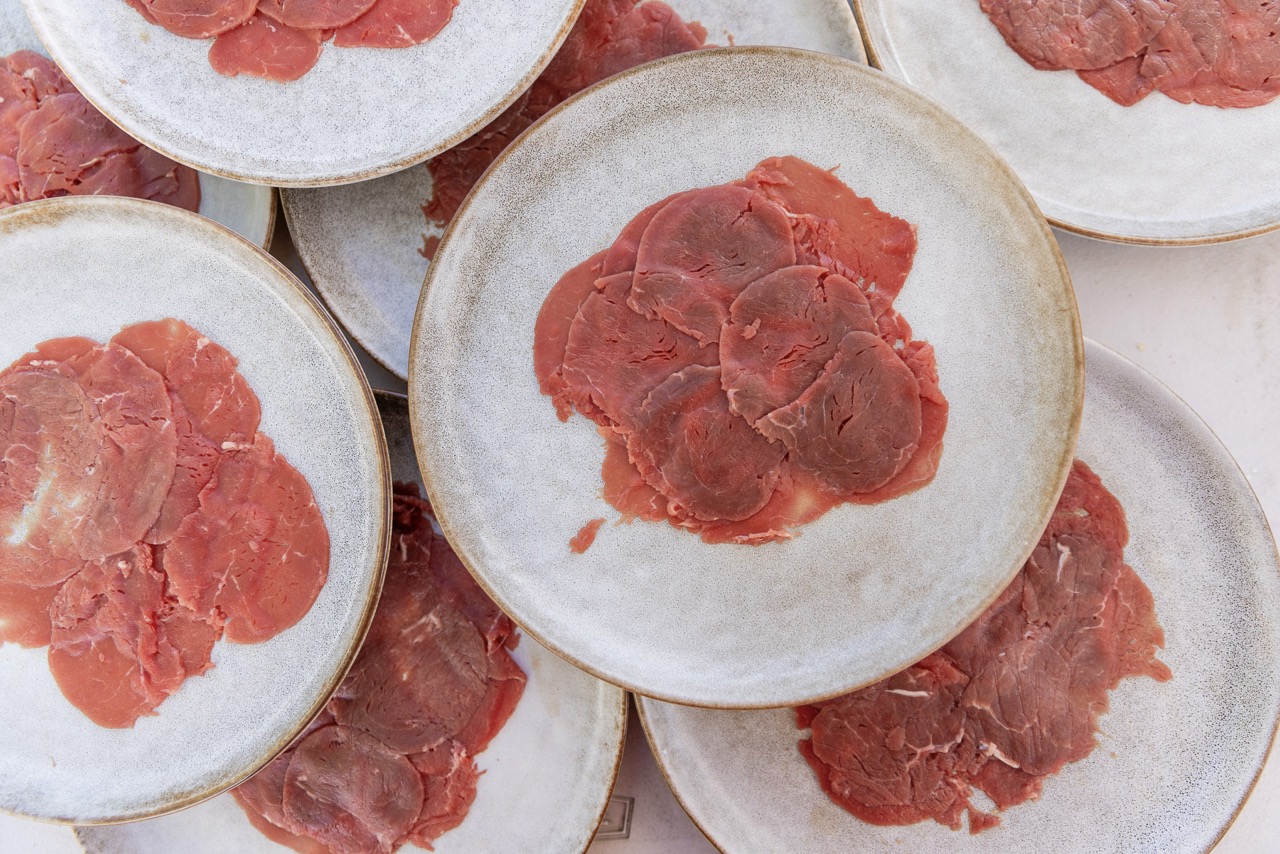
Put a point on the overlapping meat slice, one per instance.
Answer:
(314, 14)
(120, 645)
(262, 799)
(396, 23)
(24, 614)
(263, 47)
(256, 553)
(701, 250)
(551, 330)
(1078, 34)
(449, 778)
(196, 19)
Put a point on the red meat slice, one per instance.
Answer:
(1123, 82)
(43, 76)
(459, 589)
(708, 461)
(701, 250)
(256, 553)
(68, 147)
(586, 536)
(449, 778)
(261, 47)
(163, 180)
(10, 182)
(622, 255)
(551, 330)
(1078, 34)
(314, 14)
(782, 331)
(348, 791)
(24, 614)
(119, 646)
(858, 424)
(396, 23)
(196, 19)
(262, 799)
(17, 98)
(624, 488)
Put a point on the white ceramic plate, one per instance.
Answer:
(248, 210)
(360, 242)
(89, 265)
(1158, 172)
(655, 609)
(361, 112)
(1174, 761)
(546, 776)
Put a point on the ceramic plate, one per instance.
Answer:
(1174, 761)
(89, 265)
(361, 242)
(546, 777)
(655, 609)
(245, 209)
(1158, 172)
(361, 112)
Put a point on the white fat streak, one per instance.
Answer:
(902, 692)
(36, 509)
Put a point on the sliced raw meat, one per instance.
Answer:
(348, 791)
(624, 488)
(586, 537)
(196, 19)
(782, 331)
(261, 47)
(449, 778)
(858, 424)
(506, 687)
(68, 147)
(24, 614)
(622, 255)
(314, 14)
(701, 250)
(262, 799)
(1078, 34)
(708, 461)
(45, 78)
(17, 98)
(1123, 82)
(1223, 53)
(10, 183)
(163, 180)
(396, 23)
(119, 646)
(551, 330)
(256, 553)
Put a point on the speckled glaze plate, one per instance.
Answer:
(87, 266)
(655, 609)
(1174, 761)
(361, 242)
(546, 776)
(360, 113)
(248, 210)
(1158, 172)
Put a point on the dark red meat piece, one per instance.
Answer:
(551, 331)
(262, 47)
(262, 799)
(314, 14)
(396, 23)
(449, 778)
(196, 19)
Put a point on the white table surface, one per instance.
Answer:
(1205, 321)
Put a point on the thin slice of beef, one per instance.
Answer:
(44, 76)
(449, 779)
(10, 182)
(66, 147)
(262, 799)
(314, 14)
(1078, 34)
(621, 257)
(196, 19)
(262, 47)
(396, 23)
(551, 329)
(24, 614)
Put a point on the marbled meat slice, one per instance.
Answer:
(24, 614)
(701, 250)
(1078, 34)
(120, 646)
(256, 553)
(196, 19)
(396, 23)
(262, 47)
(858, 424)
(44, 76)
(449, 778)
(262, 799)
(17, 98)
(707, 461)
(314, 14)
(551, 329)
(782, 331)
(350, 792)
(621, 256)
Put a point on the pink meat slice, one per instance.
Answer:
(1078, 34)
(782, 331)
(119, 645)
(41, 73)
(314, 14)
(701, 250)
(262, 47)
(396, 23)
(24, 614)
(68, 147)
(10, 182)
(256, 553)
(551, 329)
(350, 792)
(615, 356)
(164, 180)
(622, 255)
(708, 461)
(17, 98)
(858, 424)
(262, 799)
(449, 779)
(196, 19)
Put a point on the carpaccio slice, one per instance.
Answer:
(1012, 699)
(391, 758)
(54, 143)
(119, 462)
(739, 349)
(1222, 53)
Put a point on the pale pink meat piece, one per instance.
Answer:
(314, 14)
(196, 19)
(24, 614)
(396, 23)
(10, 183)
(262, 47)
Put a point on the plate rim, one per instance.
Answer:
(331, 178)
(1154, 383)
(1016, 186)
(295, 293)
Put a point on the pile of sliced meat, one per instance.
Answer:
(391, 759)
(1222, 53)
(281, 40)
(53, 143)
(738, 348)
(610, 36)
(143, 516)
(1010, 701)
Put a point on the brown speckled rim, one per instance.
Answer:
(331, 179)
(50, 211)
(1048, 497)
(874, 57)
(1097, 350)
(272, 219)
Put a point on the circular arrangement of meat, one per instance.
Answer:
(143, 516)
(1221, 53)
(738, 348)
(391, 759)
(53, 143)
(281, 40)
(1011, 700)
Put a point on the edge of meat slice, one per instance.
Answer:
(195, 19)
(396, 23)
(265, 48)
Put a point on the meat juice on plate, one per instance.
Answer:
(738, 349)
(144, 516)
